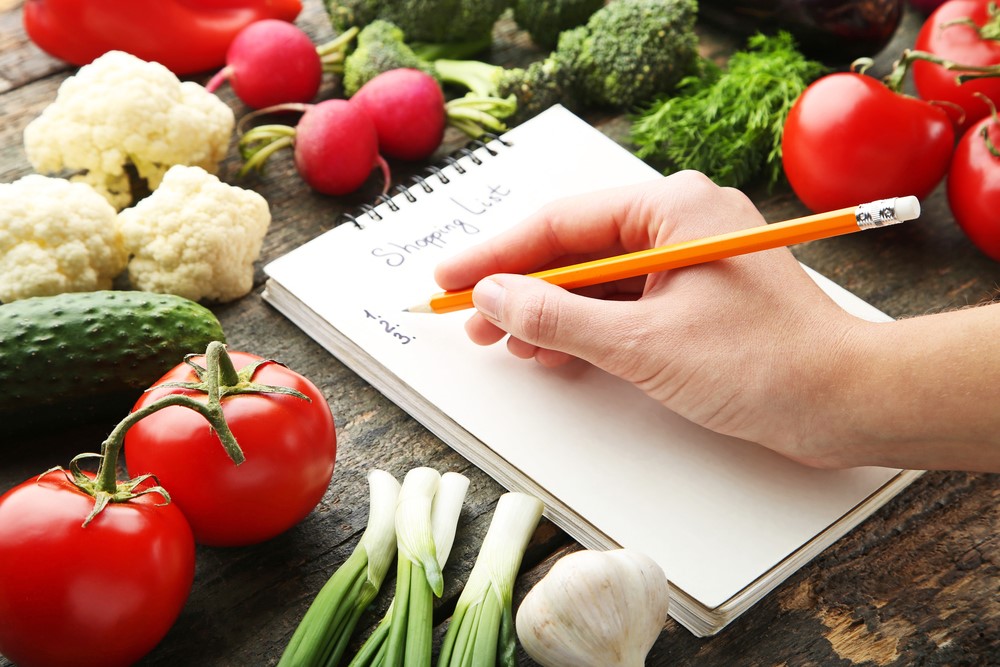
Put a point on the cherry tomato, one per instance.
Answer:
(103, 594)
(945, 35)
(290, 445)
(849, 139)
(974, 186)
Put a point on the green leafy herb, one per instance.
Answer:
(728, 123)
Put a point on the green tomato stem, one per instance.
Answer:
(990, 30)
(218, 379)
(894, 80)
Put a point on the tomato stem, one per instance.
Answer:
(212, 411)
(218, 379)
(989, 30)
(894, 80)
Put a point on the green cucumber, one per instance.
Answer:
(84, 356)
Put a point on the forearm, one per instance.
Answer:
(916, 393)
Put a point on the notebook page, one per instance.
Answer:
(715, 512)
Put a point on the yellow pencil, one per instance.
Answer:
(878, 213)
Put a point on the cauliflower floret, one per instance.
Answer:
(55, 237)
(119, 110)
(195, 236)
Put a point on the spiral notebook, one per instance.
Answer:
(728, 520)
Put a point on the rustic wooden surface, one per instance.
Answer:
(918, 583)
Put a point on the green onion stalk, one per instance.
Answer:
(322, 636)
(481, 632)
(426, 522)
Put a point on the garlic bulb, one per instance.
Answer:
(595, 609)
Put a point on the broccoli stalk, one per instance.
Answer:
(628, 52)
(532, 89)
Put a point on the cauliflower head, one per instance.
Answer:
(195, 236)
(122, 110)
(55, 237)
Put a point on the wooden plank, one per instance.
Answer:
(915, 584)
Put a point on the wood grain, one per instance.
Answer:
(917, 584)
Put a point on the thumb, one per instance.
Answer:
(550, 317)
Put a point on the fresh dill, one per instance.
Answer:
(727, 123)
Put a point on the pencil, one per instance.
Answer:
(878, 213)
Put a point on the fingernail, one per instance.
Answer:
(487, 296)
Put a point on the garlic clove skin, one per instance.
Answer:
(595, 609)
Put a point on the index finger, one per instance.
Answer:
(563, 231)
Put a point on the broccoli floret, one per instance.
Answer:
(545, 19)
(630, 51)
(533, 88)
(433, 21)
(380, 48)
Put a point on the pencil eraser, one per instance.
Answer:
(907, 208)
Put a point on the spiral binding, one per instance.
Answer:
(422, 180)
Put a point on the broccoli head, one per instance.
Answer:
(630, 51)
(545, 19)
(431, 21)
(380, 48)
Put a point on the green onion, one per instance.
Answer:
(324, 631)
(481, 632)
(426, 522)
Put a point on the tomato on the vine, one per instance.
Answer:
(289, 443)
(103, 594)
(966, 32)
(850, 139)
(974, 185)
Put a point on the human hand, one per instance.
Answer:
(743, 346)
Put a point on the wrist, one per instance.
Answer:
(910, 393)
(830, 387)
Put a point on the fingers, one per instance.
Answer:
(547, 322)
(483, 332)
(603, 223)
(562, 230)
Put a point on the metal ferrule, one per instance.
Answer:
(878, 213)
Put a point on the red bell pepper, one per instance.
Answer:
(186, 36)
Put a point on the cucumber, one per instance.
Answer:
(84, 356)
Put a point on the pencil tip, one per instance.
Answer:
(419, 308)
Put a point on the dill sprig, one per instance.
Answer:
(727, 123)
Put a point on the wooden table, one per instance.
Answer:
(918, 583)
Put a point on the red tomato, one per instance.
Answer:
(849, 139)
(290, 445)
(974, 186)
(101, 595)
(960, 43)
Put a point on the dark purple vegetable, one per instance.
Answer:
(834, 31)
(926, 6)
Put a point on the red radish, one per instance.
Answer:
(408, 108)
(335, 144)
(271, 62)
